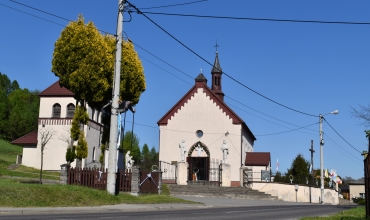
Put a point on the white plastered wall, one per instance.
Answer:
(201, 113)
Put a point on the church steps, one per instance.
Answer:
(216, 191)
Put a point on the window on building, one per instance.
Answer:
(92, 114)
(56, 110)
(70, 110)
(93, 156)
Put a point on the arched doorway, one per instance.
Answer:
(198, 165)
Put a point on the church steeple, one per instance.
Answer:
(217, 77)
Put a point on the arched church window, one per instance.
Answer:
(70, 110)
(56, 110)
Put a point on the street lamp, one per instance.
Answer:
(322, 154)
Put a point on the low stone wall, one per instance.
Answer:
(287, 192)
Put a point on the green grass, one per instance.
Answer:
(23, 191)
(351, 214)
(8, 155)
(14, 193)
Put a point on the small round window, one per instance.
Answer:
(199, 133)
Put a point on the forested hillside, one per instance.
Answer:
(19, 109)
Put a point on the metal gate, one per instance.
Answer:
(149, 181)
(169, 175)
(198, 168)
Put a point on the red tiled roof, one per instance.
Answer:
(56, 90)
(257, 159)
(28, 139)
(229, 112)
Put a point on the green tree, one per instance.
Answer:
(146, 159)
(3, 112)
(131, 143)
(299, 170)
(23, 110)
(81, 149)
(7, 85)
(154, 155)
(83, 61)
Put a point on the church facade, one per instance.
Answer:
(202, 130)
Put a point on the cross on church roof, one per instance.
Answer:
(216, 46)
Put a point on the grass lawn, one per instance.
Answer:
(22, 191)
(19, 193)
(352, 214)
(8, 155)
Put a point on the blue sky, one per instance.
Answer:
(310, 67)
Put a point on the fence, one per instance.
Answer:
(169, 175)
(97, 178)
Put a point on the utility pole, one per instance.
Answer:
(321, 160)
(312, 151)
(112, 158)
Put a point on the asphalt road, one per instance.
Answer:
(250, 213)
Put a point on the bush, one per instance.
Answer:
(359, 201)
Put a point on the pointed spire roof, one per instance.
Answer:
(216, 66)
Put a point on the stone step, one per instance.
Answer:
(223, 192)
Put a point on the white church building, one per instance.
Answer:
(57, 106)
(208, 130)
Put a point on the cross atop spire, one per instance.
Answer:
(216, 46)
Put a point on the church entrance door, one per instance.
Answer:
(198, 168)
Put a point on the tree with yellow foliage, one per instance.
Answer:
(83, 59)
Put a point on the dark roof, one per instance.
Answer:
(201, 78)
(225, 108)
(216, 65)
(257, 159)
(56, 90)
(28, 139)
(360, 181)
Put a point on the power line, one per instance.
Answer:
(163, 69)
(33, 15)
(48, 13)
(271, 121)
(264, 113)
(288, 131)
(168, 63)
(212, 65)
(163, 61)
(261, 19)
(180, 4)
(331, 140)
(341, 136)
(40, 10)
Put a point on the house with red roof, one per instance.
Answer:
(210, 132)
(57, 106)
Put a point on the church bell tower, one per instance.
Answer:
(217, 78)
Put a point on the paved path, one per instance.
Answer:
(207, 203)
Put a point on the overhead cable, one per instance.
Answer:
(341, 136)
(180, 4)
(260, 19)
(212, 64)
